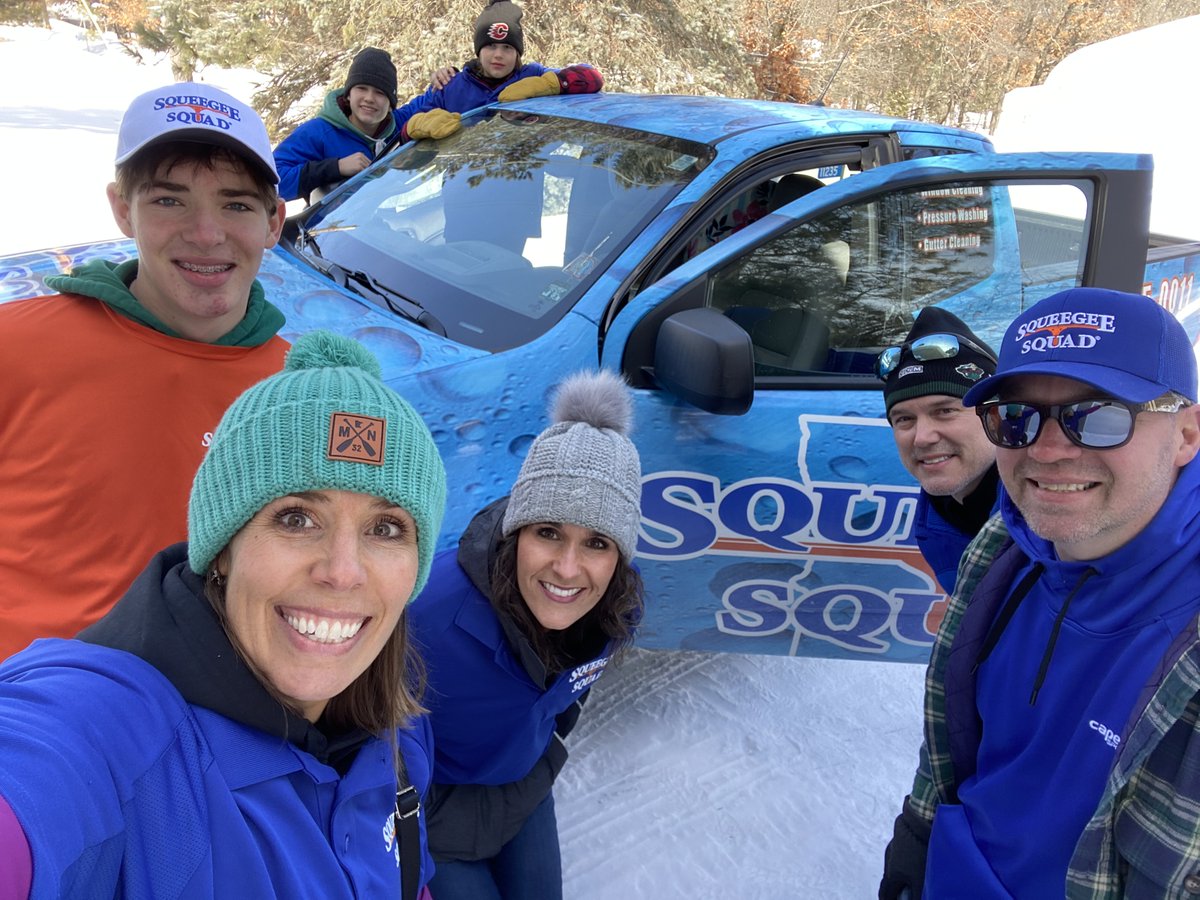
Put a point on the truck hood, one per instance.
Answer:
(307, 300)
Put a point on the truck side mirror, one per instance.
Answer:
(706, 360)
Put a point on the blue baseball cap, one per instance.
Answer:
(1125, 345)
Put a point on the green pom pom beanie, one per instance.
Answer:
(326, 422)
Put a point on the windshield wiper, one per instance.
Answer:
(366, 286)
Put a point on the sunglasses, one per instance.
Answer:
(1095, 424)
(932, 346)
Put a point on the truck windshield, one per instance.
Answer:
(499, 229)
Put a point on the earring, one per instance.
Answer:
(217, 578)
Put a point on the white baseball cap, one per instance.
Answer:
(196, 112)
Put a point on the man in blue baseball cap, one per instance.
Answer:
(1062, 741)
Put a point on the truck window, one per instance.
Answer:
(499, 229)
(758, 199)
(826, 296)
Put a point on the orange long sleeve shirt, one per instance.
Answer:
(103, 423)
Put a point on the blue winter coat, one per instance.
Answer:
(942, 542)
(126, 789)
(493, 709)
(308, 157)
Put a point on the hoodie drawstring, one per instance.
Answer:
(1058, 620)
(1006, 614)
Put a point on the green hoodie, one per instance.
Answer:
(332, 113)
(109, 283)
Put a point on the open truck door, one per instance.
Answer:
(777, 517)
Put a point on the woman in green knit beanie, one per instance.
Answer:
(326, 425)
(246, 721)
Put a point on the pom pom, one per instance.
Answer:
(600, 399)
(326, 350)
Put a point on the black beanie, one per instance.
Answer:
(499, 23)
(953, 376)
(373, 67)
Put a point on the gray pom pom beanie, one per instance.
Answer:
(583, 470)
(326, 422)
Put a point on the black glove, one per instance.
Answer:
(904, 858)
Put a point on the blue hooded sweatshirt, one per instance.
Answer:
(1055, 695)
(308, 157)
(146, 760)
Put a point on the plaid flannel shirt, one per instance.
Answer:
(1143, 841)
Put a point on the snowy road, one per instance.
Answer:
(700, 776)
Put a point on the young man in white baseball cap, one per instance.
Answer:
(113, 386)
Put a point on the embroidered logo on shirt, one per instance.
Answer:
(582, 676)
(356, 438)
(390, 844)
(1110, 737)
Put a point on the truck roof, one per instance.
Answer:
(710, 120)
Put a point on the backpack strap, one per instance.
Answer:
(408, 831)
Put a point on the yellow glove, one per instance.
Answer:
(544, 85)
(437, 123)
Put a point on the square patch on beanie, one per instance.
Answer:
(355, 438)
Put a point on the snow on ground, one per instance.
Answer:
(64, 93)
(691, 775)
(711, 776)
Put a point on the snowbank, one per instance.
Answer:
(1133, 94)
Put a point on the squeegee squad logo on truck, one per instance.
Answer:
(830, 561)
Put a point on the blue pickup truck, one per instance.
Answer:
(741, 263)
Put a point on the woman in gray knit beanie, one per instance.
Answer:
(515, 626)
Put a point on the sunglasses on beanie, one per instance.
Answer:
(924, 349)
